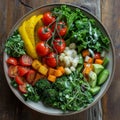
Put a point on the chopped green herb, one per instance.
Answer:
(15, 45)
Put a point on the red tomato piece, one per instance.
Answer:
(25, 60)
(61, 28)
(97, 55)
(42, 48)
(44, 33)
(48, 18)
(12, 61)
(51, 60)
(19, 80)
(30, 76)
(59, 45)
(22, 70)
(22, 88)
(13, 71)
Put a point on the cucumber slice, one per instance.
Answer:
(92, 79)
(98, 68)
(95, 90)
(103, 76)
(105, 61)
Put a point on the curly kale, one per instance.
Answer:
(82, 30)
(31, 94)
(15, 45)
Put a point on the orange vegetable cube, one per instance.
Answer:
(51, 78)
(51, 71)
(85, 53)
(36, 64)
(58, 73)
(98, 61)
(61, 68)
(87, 70)
(88, 59)
(88, 65)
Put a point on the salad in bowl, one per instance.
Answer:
(58, 58)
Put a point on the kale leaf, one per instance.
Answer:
(31, 94)
(82, 30)
(15, 45)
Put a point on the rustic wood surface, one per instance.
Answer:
(11, 10)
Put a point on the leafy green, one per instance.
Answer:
(31, 94)
(67, 93)
(82, 30)
(42, 84)
(15, 45)
(14, 84)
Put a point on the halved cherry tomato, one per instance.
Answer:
(51, 59)
(61, 28)
(59, 45)
(13, 71)
(97, 55)
(48, 18)
(30, 76)
(12, 61)
(44, 33)
(19, 80)
(25, 60)
(22, 88)
(42, 48)
(22, 70)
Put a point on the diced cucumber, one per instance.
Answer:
(98, 68)
(92, 79)
(103, 76)
(105, 61)
(95, 90)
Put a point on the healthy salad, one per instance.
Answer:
(59, 58)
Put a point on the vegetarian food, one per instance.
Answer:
(58, 58)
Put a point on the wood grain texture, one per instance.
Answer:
(111, 19)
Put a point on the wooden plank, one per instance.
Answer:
(10, 11)
(111, 20)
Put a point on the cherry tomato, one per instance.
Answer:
(13, 71)
(59, 45)
(22, 70)
(42, 48)
(22, 88)
(48, 18)
(30, 76)
(97, 55)
(44, 33)
(61, 28)
(12, 61)
(25, 60)
(51, 60)
(19, 80)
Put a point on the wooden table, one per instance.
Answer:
(106, 10)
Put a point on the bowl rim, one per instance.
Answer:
(112, 48)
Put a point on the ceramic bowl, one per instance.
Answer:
(40, 107)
